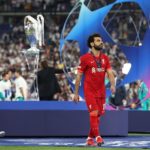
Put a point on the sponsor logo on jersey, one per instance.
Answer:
(94, 70)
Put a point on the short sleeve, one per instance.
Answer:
(82, 65)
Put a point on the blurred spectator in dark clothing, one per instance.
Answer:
(119, 97)
(47, 82)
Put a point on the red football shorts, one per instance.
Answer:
(97, 103)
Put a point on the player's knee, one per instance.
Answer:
(94, 113)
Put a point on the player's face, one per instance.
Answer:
(98, 43)
(16, 74)
(6, 77)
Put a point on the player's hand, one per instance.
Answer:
(76, 98)
(113, 89)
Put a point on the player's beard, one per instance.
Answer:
(98, 47)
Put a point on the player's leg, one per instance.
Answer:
(91, 103)
(101, 111)
(94, 126)
(94, 129)
(94, 115)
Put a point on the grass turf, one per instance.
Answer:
(60, 148)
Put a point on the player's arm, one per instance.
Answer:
(80, 70)
(111, 79)
(77, 84)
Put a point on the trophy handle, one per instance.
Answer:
(30, 20)
(40, 21)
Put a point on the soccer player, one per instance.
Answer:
(5, 87)
(20, 86)
(94, 65)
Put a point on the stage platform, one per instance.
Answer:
(56, 119)
(61, 119)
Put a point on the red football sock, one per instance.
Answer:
(91, 133)
(94, 126)
(98, 122)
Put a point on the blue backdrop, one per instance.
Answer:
(90, 22)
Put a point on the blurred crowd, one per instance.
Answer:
(47, 5)
(13, 41)
(36, 5)
(11, 57)
(132, 27)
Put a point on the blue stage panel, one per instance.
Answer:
(139, 121)
(57, 119)
(44, 105)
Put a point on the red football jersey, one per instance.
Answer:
(94, 82)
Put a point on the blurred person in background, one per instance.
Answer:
(119, 98)
(12, 79)
(142, 92)
(132, 96)
(21, 87)
(47, 82)
(5, 87)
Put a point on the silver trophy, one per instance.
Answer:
(34, 30)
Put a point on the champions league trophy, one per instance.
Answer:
(34, 30)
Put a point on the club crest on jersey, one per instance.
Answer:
(103, 61)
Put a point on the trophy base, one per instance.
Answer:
(33, 51)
